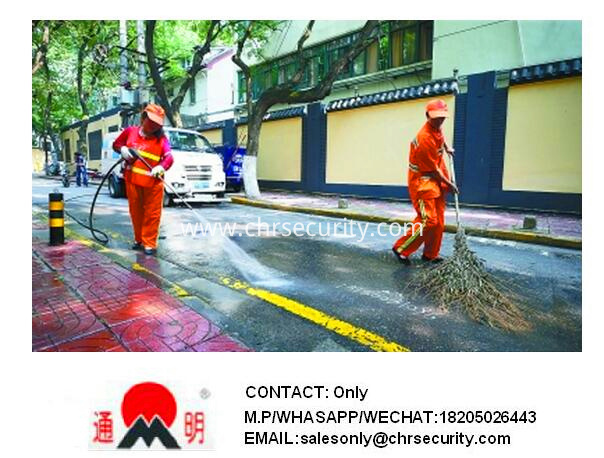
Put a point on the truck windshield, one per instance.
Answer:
(186, 141)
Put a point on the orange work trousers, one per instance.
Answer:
(427, 228)
(145, 206)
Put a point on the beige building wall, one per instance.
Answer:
(543, 137)
(370, 145)
(37, 160)
(280, 149)
(102, 124)
(213, 135)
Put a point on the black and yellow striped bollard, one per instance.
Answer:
(56, 220)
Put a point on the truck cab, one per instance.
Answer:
(197, 174)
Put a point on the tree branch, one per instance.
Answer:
(154, 70)
(40, 56)
(197, 65)
(286, 94)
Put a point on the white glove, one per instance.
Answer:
(157, 171)
(126, 154)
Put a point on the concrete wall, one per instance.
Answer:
(280, 149)
(543, 137)
(201, 97)
(214, 88)
(371, 145)
(480, 46)
(222, 77)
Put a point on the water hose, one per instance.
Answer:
(102, 237)
(99, 235)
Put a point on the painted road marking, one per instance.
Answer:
(329, 322)
(175, 289)
(343, 328)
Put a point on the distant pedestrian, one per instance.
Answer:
(81, 172)
(428, 182)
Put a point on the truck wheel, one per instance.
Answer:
(167, 200)
(116, 188)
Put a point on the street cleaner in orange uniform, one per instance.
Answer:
(144, 187)
(428, 181)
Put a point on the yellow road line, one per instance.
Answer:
(175, 289)
(360, 335)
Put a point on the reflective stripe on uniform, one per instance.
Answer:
(409, 241)
(141, 171)
(149, 155)
(413, 167)
(415, 142)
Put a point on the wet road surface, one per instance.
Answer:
(349, 274)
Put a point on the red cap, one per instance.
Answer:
(155, 113)
(437, 109)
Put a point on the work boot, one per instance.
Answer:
(402, 259)
(150, 251)
(137, 246)
(435, 260)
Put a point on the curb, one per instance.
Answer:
(501, 234)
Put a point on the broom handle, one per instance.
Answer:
(452, 167)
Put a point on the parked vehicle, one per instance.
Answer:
(232, 158)
(197, 173)
(64, 174)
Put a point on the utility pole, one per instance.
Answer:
(123, 71)
(142, 77)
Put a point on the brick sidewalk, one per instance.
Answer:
(82, 301)
(547, 222)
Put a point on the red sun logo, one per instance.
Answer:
(149, 400)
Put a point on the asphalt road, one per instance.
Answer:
(349, 274)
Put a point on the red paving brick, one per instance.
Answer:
(82, 301)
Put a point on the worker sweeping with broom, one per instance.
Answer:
(462, 280)
(428, 182)
(142, 174)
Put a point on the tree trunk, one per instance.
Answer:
(82, 143)
(176, 118)
(250, 175)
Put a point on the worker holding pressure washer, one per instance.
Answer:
(428, 182)
(146, 153)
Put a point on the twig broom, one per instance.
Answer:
(462, 280)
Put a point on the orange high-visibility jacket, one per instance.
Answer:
(426, 154)
(151, 149)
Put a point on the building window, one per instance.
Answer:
(409, 46)
(410, 42)
(372, 60)
(400, 43)
(358, 65)
(241, 87)
(426, 35)
(95, 144)
(192, 92)
(114, 128)
(67, 155)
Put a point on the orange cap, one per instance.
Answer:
(437, 109)
(155, 113)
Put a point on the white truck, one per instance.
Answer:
(197, 174)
